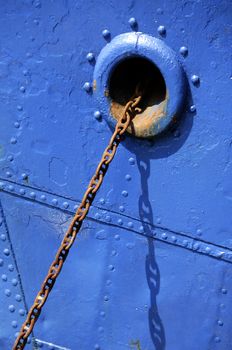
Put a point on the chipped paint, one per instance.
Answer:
(94, 85)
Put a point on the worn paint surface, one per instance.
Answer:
(152, 266)
(156, 116)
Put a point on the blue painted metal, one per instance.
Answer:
(152, 266)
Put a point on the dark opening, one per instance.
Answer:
(131, 72)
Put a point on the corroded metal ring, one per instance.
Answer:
(156, 117)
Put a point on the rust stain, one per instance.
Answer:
(143, 124)
(136, 344)
(94, 85)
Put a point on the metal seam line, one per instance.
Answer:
(119, 220)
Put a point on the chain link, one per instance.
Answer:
(130, 110)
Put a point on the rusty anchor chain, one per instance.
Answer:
(130, 110)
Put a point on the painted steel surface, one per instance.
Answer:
(152, 267)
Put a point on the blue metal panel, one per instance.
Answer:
(152, 266)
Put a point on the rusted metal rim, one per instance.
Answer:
(156, 117)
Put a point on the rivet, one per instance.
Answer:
(37, 4)
(141, 229)
(65, 205)
(217, 339)
(158, 221)
(100, 329)
(22, 191)
(224, 291)
(133, 23)
(164, 236)
(220, 322)
(195, 79)
(14, 282)
(21, 312)
(1, 262)
(4, 277)
(10, 158)
(14, 324)
(87, 86)
(25, 72)
(54, 201)
(192, 108)
(121, 208)
(13, 140)
(184, 51)
(130, 224)
(7, 292)
(32, 195)
(90, 57)
(131, 161)
(11, 188)
(8, 174)
(219, 254)
(43, 197)
(97, 115)
(111, 267)
(199, 232)
(102, 314)
(196, 246)
(10, 267)
(75, 207)
(124, 193)
(11, 308)
(97, 347)
(6, 251)
(18, 297)
(117, 237)
(161, 30)
(19, 108)
(174, 239)
(120, 222)
(97, 216)
(3, 237)
(22, 88)
(159, 11)
(106, 34)
(106, 298)
(114, 252)
(185, 243)
(207, 250)
(128, 177)
(24, 176)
